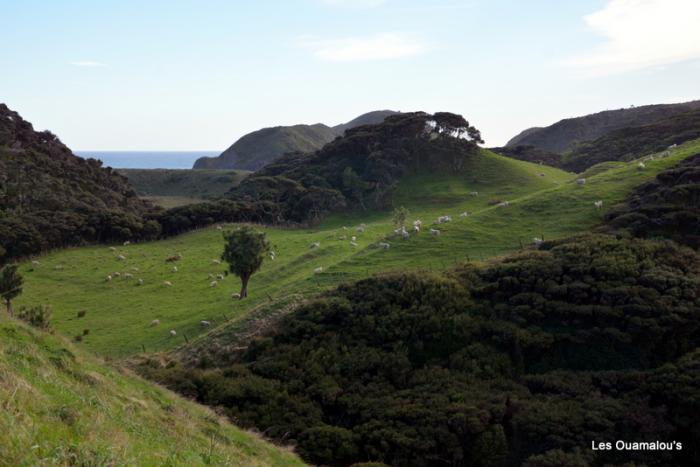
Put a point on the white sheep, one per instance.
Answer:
(204, 323)
(314, 245)
(121, 258)
(434, 232)
(537, 241)
(598, 204)
(360, 229)
(318, 270)
(128, 275)
(464, 214)
(173, 333)
(580, 181)
(127, 243)
(641, 166)
(210, 276)
(215, 261)
(35, 263)
(220, 277)
(59, 267)
(353, 244)
(345, 228)
(235, 296)
(167, 283)
(139, 281)
(155, 322)
(174, 268)
(218, 227)
(353, 238)
(503, 204)
(112, 248)
(417, 223)
(672, 146)
(108, 278)
(416, 229)
(401, 231)
(384, 245)
(117, 274)
(443, 219)
(135, 269)
(213, 284)
(473, 193)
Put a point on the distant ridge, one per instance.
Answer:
(259, 148)
(565, 134)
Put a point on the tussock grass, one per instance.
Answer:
(61, 406)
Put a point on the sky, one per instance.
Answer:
(197, 75)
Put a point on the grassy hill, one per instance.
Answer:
(118, 308)
(256, 149)
(551, 206)
(173, 187)
(370, 118)
(62, 406)
(563, 135)
(626, 143)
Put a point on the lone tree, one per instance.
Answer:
(244, 251)
(10, 285)
(400, 216)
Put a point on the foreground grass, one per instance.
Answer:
(118, 313)
(61, 406)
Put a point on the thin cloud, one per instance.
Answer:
(88, 64)
(354, 49)
(642, 34)
(354, 3)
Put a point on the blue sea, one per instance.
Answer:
(147, 159)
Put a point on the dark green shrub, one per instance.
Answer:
(38, 316)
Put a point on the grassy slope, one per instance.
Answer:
(118, 312)
(61, 406)
(176, 187)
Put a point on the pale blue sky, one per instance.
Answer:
(189, 75)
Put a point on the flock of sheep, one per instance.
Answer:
(417, 224)
(215, 279)
(401, 232)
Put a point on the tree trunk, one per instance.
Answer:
(9, 307)
(244, 286)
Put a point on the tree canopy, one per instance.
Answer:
(244, 251)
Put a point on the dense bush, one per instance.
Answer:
(362, 168)
(38, 316)
(668, 206)
(50, 198)
(526, 361)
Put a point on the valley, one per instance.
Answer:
(350, 233)
(550, 206)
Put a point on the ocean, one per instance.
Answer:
(147, 159)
